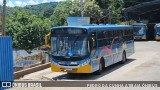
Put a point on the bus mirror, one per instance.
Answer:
(47, 40)
(155, 27)
(92, 43)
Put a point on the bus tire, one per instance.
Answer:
(100, 67)
(123, 57)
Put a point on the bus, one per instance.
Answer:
(140, 31)
(88, 49)
(157, 32)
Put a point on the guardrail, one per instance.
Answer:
(23, 72)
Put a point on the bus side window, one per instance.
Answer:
(109, 39)
(131, 34)
(93, 36)
(125, 35)
(116, 38)
(105, 38)
(120, 33)
(120, 36)
(100, 39)
(115, 33)
(112, 36)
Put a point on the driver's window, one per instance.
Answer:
(93, 40)
(93, 43)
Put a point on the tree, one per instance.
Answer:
(61, 12)
(47, 13)
(112, 10)
(92, 10)
(73, 8)
(27, 30)
(116, 8)
(0, 23)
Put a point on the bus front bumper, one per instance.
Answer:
(81, 69)
(140, 38)
(157, 38)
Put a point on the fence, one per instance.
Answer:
(6, 61)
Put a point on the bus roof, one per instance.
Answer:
(99, 27)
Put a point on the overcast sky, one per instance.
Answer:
(22, 3)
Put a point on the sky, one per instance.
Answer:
(22, 3)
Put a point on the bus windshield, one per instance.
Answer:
(69, 46)
(158, 30)
(139, 30)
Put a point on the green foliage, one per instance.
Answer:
(112, 10)
(92, 10)
(116, 7)
(48, 12)
(34, 9)
(28, 25)
(61, 12)
(73, 8)
(0, 23)
(28, 30)
(131, 22)
(45, 9)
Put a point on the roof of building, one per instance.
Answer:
(144, 8)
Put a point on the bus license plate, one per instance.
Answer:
(68, 69)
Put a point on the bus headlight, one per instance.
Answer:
(74, 63)
(85, 63)
(54, 63)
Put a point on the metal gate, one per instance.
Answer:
(6, 62)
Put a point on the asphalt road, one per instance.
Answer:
(144, 65)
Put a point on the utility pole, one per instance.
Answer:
(4, 18)
(81, 8)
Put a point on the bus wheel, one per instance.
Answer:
(123, 57)
(100, 68)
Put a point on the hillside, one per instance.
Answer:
(41, 8)
(35, 9)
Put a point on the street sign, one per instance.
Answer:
(78, 21)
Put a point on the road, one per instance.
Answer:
(144, 65)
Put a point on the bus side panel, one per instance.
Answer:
(108, 61)
(114, 50)
(130, 48)
(119, 52)
(106, 53)
(95, 60)
(94, 64)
